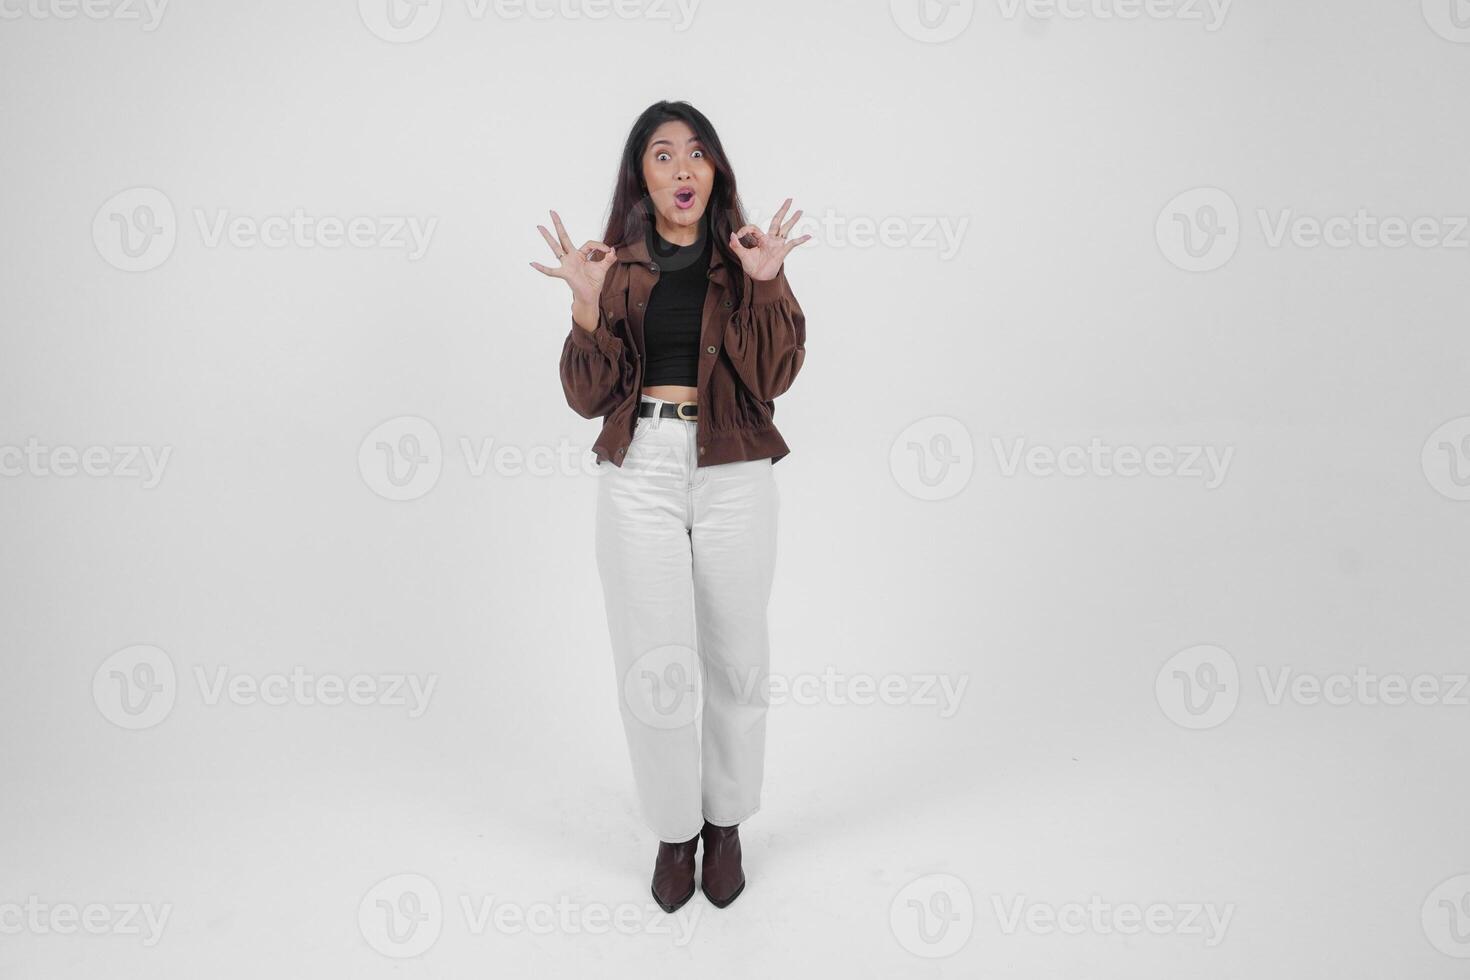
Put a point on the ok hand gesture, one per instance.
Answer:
(584, 269)
(763, 260)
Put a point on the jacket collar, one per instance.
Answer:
(636, 253)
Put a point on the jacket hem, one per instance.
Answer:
(728, 446)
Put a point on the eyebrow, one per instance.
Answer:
(692, 139)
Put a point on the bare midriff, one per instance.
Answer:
(673, 393)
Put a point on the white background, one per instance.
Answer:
(1333, 543)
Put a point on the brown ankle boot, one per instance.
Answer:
(722, 879)
(673, 874)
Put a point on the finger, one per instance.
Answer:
(553, 273)
(786, 228)
(797, 241)
(561, 233)
(594, 251)
(556, 248)
(779, 216)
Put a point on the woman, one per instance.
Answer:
(684, 331)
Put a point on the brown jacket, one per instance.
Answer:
(749, 356)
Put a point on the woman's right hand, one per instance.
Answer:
(584, 269)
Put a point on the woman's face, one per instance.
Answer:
(679, 176)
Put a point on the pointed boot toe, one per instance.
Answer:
(722, 879)
(673, 874)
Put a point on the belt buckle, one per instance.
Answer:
(679, 411)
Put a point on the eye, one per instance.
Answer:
(698, 154)
(663, 155)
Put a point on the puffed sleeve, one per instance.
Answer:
(596, 371)
(766, 338)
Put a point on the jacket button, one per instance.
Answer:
(728, 304)
(653, 267)
(709, 350)
(640, 304)
(622, 449)
(701, 450)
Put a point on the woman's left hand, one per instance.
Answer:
(763, 260)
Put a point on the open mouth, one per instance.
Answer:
(684, 198)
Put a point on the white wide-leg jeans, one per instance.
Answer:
(686, 555)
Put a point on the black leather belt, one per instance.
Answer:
(688, 411)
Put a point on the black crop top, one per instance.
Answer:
(671, 324)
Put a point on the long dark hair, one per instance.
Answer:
(630, 216)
